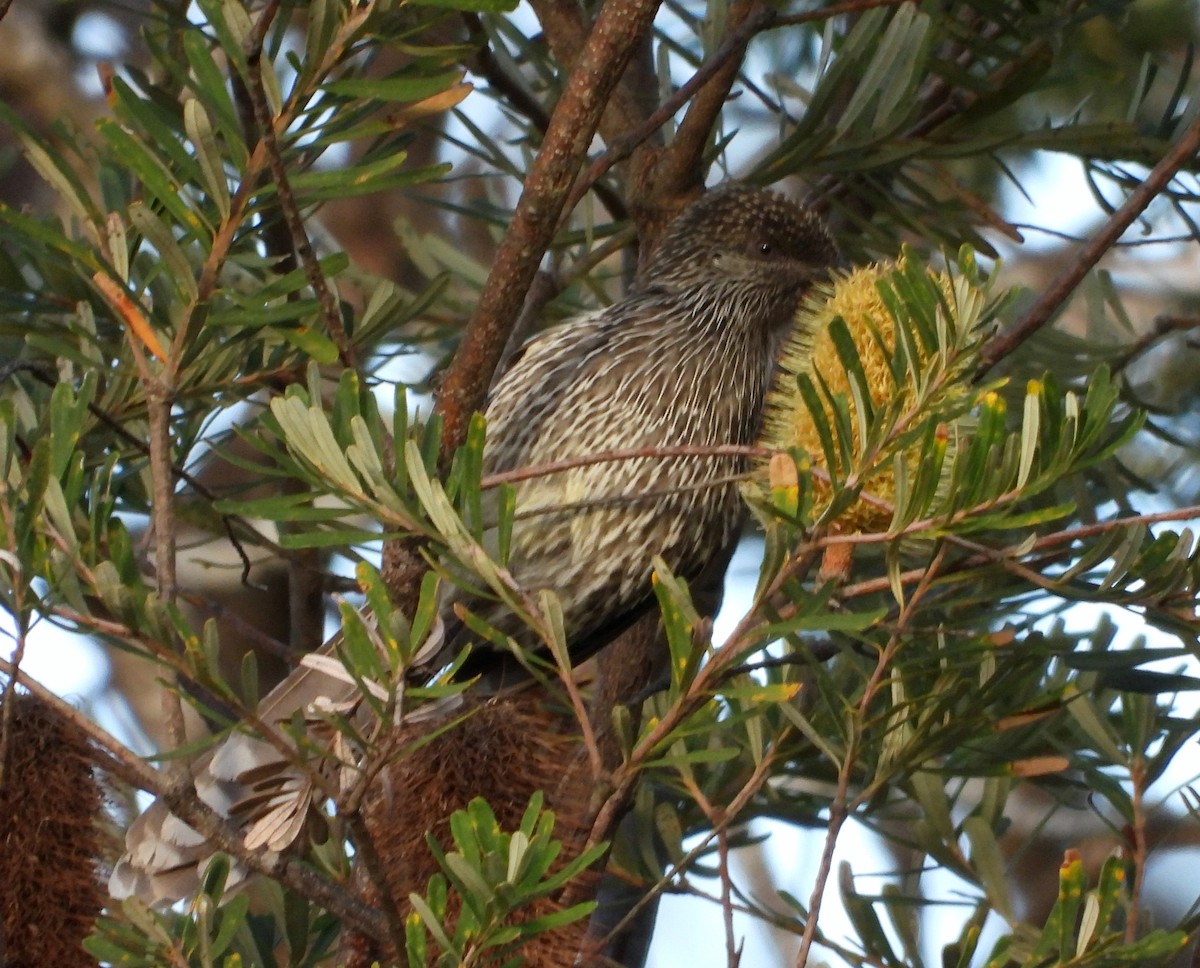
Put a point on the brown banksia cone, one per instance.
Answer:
(507, 749)
(50, 801)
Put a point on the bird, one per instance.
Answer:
(684, 359)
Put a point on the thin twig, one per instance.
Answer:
(681, 164)
(517, 96)
(733, 954)
(12, 562)
(1163, 326)
(632, 453)
(729, 51)
(1182, 152)
(43, 374)
(158, 383)
(753, 784)
(514, 91)
(1189, 513)
(621, 148)
(1137, 783)
(245, 629)
(287, 200)
(835, 10)
(364, 847)
(159, 397)
(841, 807)
(257, 162)
(247, 716)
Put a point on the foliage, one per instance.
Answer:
(217, 929)
(495, 874)
(180, 305)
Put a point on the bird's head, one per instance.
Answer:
(744, 242)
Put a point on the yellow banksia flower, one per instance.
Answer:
(811, 350)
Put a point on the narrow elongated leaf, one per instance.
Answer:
(212, 168)
(414, 87)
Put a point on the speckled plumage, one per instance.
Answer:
(685, 358)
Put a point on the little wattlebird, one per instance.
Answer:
(684, 359)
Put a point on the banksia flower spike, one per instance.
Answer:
(872, 386)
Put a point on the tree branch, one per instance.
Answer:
(680, 169)
(622, 147)
(617, 31)
(287, 200)
(1085, 260)
(566, 29)
(842, 805)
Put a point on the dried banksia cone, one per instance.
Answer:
(50, 890)
(845, 345)
(507, 749)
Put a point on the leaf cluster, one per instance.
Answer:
(495, 874)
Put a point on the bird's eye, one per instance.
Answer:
(766, 248)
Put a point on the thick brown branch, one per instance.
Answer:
(728, 53)
(566, 28)
(674, 170)
(680, 169)
(485, 63)
(617, 31)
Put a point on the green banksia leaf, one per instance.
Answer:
(862, 915)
